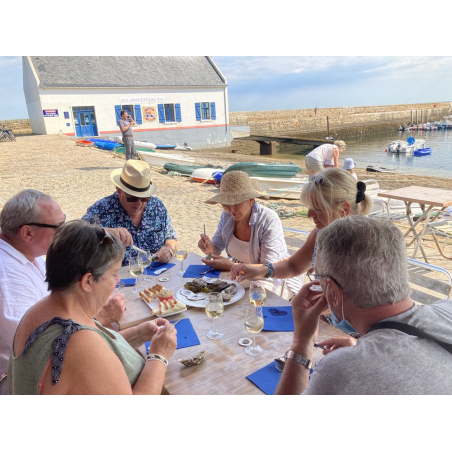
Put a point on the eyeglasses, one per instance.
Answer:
(314, 277)
(318, 180)
(135, 199)
(106, 237)
(44, 225)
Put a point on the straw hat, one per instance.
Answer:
(134, 179)
(235, 188)
(349, 164)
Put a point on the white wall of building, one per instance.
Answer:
(104, 101)
(32, 98)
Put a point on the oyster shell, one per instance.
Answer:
(197, 285)
(194, 360)
(229, 292)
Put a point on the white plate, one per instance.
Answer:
(201, 303)
(155, 304)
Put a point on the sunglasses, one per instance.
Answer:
(135, 199)
(314, 277)
(44, 225)
(106, 237)
(318, 180)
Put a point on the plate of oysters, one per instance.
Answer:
(194, 293)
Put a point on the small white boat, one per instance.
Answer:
(288, 188)
(138, 144)
(205, 175)
(158, 159)
(405, 147)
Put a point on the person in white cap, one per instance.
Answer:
(349, 164)
(134, 215)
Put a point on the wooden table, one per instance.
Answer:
(226, 365)
(429, 199)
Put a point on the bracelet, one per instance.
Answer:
(271, 270)
(170, 250)
(156, 357)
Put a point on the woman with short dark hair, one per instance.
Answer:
(60, 348)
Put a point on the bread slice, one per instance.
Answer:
(167, 304)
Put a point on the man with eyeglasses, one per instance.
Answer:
(28, 222)
(134, 215)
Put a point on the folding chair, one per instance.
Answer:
(429, 283)
(441, 228)
(2, 380)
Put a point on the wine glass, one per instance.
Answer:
(181, 255)
(144, 259)
(135, 269)
(254, 322)
(214, 309)
(257, 293)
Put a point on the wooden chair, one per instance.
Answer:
(429, 283)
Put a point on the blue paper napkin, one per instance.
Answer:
(267, 378)
(278, 318)
(128, 282)
(156, 266)
(194, 271)
(186, 335)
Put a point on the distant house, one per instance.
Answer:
(172, 99)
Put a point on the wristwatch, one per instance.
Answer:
(300, 359)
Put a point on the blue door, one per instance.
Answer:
(85, 123)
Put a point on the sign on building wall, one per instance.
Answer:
(150, 113)
(142, 100)
(50, 113)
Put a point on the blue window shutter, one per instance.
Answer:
(118, 113)
(213, 113)
(198, 112)
(161, 113)
(178, 115)
(138, 118)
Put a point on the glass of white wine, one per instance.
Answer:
(257, 293)
(144, 259)
(254, 322)
(135, 269)
(214, 309)
(181, 255)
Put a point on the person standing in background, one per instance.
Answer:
(316, 159)
(125, 124)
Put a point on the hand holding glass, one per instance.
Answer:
(181, 255)
(135, 269)
(257, 294)
(254, 322)
(214, 309)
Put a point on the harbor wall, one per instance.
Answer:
(340, 123)
(18, 126)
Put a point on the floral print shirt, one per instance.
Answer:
(155, 228)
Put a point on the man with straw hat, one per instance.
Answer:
(134, 215)
(248, 231)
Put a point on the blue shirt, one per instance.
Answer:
(155, 228)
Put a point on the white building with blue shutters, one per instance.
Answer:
(172, 99)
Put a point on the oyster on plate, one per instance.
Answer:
(197, 285)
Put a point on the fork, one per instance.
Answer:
(279, 366)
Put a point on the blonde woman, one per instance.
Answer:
(316, 159)
(330, 194)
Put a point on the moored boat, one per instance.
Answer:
(159, 159)
(405, 147)
(84, 143)
(206, 175)
(141, 144)
(288, 188)
(187, 170)
(259, 169)
(107, 145)
(423, 151)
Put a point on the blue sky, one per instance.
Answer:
(291, 82)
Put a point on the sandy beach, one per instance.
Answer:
(78, 176)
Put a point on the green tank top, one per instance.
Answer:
(26, 370)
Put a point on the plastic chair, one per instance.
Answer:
(429, 283)
(441, 228)
(2, 380)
